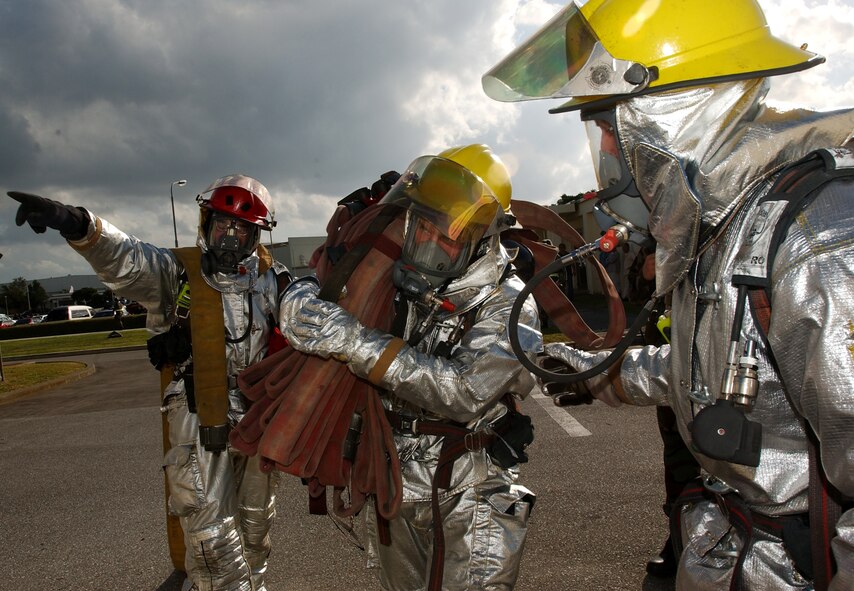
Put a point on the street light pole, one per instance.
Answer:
(180, 183)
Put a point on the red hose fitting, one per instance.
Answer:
(612, 238)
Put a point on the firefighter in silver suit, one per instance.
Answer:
(225, 503)
(685, 147)
(448, 368)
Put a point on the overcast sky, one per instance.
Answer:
(103, 103)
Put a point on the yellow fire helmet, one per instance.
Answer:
(609, 50)
(483, 162)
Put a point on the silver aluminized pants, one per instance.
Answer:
(485, 527)
(225, 503)
(712, 547)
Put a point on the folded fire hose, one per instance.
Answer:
(303, 407)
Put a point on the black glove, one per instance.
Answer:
(169, 347)
(40, 213)
(564, 394)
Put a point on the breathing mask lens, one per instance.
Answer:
(230, 240)
(605, 150)
(432, 253)
(618, 196)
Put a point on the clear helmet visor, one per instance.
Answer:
(563, 59)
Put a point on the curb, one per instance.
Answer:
(87, 371)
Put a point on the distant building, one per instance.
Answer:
(579, 215)
(296, 253)
(60, 289)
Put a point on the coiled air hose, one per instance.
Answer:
(513, 323)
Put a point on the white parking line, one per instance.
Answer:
(566, 421)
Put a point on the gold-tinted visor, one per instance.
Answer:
(452, 198)
(563, 59)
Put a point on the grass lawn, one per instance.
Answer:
(22, 375)
(70, 343)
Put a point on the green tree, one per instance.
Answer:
(38, 297)
(15, 295)
(88, 296)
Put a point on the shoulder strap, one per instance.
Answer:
(207, 333)
(795, 188)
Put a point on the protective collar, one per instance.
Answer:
(480, 279)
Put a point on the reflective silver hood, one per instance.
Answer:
(697, 154)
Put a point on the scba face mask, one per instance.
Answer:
(433, 253)
(229, 241)
(618, 195)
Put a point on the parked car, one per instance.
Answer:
(6, 321)
(70, 313)
(25, 320)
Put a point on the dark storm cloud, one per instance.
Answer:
(103, 103)
(106, 102)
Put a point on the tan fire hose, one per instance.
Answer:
(207, 333)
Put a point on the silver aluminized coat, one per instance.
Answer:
(720, 148)
(220, 498)
(485, 511)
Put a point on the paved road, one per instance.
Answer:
(81, 499)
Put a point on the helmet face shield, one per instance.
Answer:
(563, 59)
(482, 161)
(448, 195)
(615, 49)
(449, 210)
